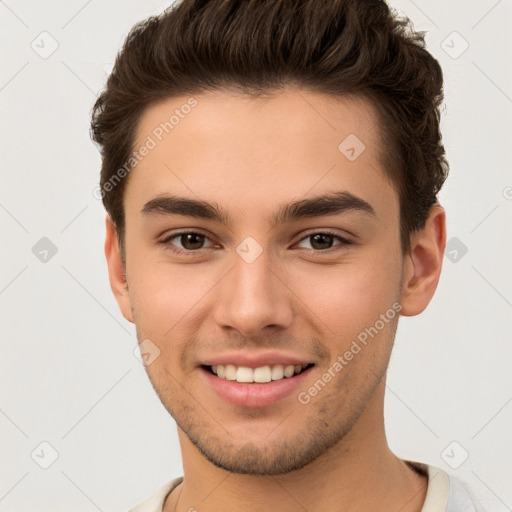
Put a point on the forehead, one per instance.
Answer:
(304, 115)
(248, 151)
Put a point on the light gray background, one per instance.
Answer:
(68, 375)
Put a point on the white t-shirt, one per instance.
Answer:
(445, 493)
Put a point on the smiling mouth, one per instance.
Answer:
(262, 374)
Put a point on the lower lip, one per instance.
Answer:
(255, 394)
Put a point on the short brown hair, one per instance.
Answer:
(255, 47)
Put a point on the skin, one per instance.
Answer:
(250, 156)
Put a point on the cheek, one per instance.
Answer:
(347, 298)
(163, 298)
(164, 292)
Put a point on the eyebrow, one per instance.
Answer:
(334, 203)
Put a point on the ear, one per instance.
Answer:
(116, 270)
(422, 265)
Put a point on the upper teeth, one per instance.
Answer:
(260, 374)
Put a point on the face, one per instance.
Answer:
(290, 258)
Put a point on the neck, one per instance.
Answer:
(360, 472)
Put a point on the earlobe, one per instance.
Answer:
(116, 270)
(423, 263)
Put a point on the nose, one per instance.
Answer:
(254, 296)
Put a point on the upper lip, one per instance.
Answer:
(256, 359)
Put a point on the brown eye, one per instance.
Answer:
(322, 241)
(188, 242)
(191, 241)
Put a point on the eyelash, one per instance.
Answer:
(168, 246)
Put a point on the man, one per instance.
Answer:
(270, 172)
